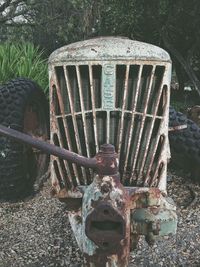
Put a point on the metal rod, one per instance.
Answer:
(93, 108)
(143, 121)
(68, 177)
(116, 109)
(49, 148)
(156, 145)
(57, 170)
(108, 127)
(121, 130)
(132, 119)
(151, 130)
(158, 165)
(80, 89)
(55, 121)
(153, 180)
(77, 138)
(61, 104)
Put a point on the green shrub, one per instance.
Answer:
(23, 60)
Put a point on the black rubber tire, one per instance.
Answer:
(185, 144)
(21, 168)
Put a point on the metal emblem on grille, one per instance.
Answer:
(108, 87)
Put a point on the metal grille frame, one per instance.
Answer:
(139, 122)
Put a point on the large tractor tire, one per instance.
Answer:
(194, 114)
(23, 107)
(185, 144)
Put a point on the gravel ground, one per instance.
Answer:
(36, 232)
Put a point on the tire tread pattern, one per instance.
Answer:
(14, 96)
(185, 144)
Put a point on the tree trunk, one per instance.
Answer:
(184, 63)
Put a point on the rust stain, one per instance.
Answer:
(107, 218)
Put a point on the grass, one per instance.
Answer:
(23, 60)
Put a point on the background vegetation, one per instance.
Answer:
(23, 60)
(171, 24)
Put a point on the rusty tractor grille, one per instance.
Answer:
(129, 115)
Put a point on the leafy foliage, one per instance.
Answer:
(23, 60)
(10, 9)
(171, 24)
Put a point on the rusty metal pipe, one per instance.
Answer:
(49, 148)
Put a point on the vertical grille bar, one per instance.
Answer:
(150, 131)
(63, 164)
(65, 124)
(134, 104)
(57, 169)
(107, 127)
(69, 90)
(153, 180)
(143, 121)
(121, 124)
(55, 121)
(69, 177)
(93, 108)
(155, 148)
(161, 166)
(80, 88)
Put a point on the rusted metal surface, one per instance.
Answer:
(177, 128)
(107, 160)
(104, 227)
(110, 93)
(106, 220)
(153, 214)
(48, 148)
(138, 121)
(121, 99)
(31, 122)
(35, 125)
(107, 215)
(115, 91)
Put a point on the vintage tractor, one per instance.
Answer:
(109, 106)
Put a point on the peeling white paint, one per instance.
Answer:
(116, 48)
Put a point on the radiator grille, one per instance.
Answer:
(133, 125)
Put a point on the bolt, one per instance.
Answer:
(105, 188)
(155, 228)
(108, 148)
